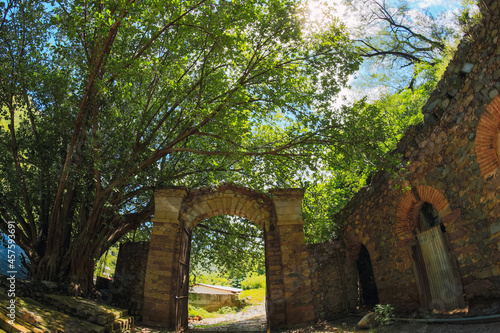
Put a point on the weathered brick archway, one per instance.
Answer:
(436, 273)
(279, 214)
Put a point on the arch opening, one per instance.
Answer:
(225, 251)
(367, 291)
(437, 276)
(428, 217)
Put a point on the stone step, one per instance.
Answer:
(120, 325)
(100, 314)
(33, 317)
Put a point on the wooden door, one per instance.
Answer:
(446, 294)
(181, 298)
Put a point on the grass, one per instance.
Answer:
(254, 282)
(257, 295)
(196, 311)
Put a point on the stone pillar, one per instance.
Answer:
(275, 303)
(296, 273)
(160, 283)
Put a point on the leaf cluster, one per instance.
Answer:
(227, 245)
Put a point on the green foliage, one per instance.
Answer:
(229, 246)
(194, 311)
(106, 265)
(125, 97)
(254, 282)
(257, 296)
(227, 310)
(325, 199)
(209, 278)
(468, 16)
(391, 114)
(384, 314)
(122, 98)
(5, 117)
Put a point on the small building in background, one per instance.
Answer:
(212, 298)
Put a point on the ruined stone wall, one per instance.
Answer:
(130, 273)
(334, 280)
(454, 160)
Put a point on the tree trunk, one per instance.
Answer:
(75, 268)
(74, 265)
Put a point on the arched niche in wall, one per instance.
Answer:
(487, 141)
(368, 293)
(419, 224)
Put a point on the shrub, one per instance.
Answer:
(194, 311)
(211, 278)
(227, 309)
(384, 314)
(254, 282)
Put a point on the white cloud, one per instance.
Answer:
(438, 5)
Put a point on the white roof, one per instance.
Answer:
(224, 288)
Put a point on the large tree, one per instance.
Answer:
(397, 35)
(106, 100)
(405, 50)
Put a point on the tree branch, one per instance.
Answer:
(248, 238)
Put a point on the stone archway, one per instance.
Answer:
(420, 224)
(279, 213)
(410, 205)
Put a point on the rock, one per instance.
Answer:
(368, 321)
(467, 68)
(29, 317)
(49, 284)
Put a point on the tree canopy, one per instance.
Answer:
(121, 97)
(395, 35)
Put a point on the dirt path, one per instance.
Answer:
(253, 317)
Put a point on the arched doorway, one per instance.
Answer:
(368, 293)
(225, 252)
(441, 288)
(420, 222)
(289, 298)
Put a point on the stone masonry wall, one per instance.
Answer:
(130, 273)
(454, 159)
(334, 280)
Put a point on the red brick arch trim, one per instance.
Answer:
(488, 139)
(228, 200)
(409, 207)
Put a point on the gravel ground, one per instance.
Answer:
(250, 312)
(348, 324)
(344, 325)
